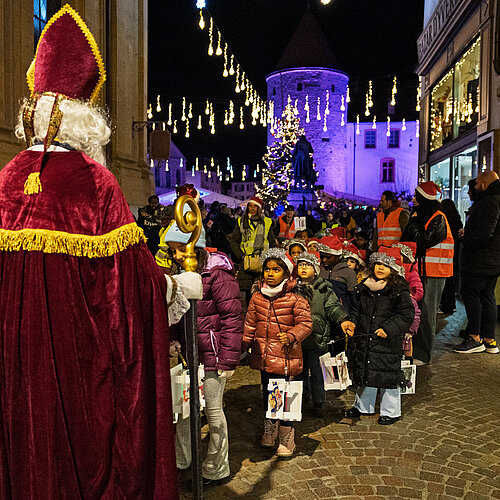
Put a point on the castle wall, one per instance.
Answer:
(330, 146)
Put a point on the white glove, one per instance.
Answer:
(225, 373)
(190, 285)
(175, 348)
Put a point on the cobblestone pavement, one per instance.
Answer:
(446, 446)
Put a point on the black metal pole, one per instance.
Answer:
(190, 326)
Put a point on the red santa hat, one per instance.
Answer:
(428, 190)
(408, 249)
(331, 245)
(352, 252)
(256, 200)
(390, 257)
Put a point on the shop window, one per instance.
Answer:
(393, 139)
(455, 99)
(465, 168)
(43, 10)
(440, 174)
(387, 170)
(370, 139)
(466, 90)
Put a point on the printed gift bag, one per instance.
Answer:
(335, 372)
(410, 374)
(179, 380)
(285, 400)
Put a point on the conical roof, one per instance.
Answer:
(308, 47)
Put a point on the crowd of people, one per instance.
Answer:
(378, 276)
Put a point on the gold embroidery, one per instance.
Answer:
(77, 245)
(33, 184)
(67, 9)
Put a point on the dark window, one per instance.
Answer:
(178, 177)
(325, 139)
(274, 91)
(387, 170)
(393, 139)
(43, 10)
(333, 88)
(299, 86)
(157, 176)
(370, 139)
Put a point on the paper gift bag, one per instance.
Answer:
(335, 372)
(300, 223)
(410, 375)
(284, 400)
(179, 380)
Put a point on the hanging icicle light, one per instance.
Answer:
(154, 126)
(388, 133)
(211, 35)
(192, 172)
(158, 107)
(231, 67)
(164, 128)
(225, 73)
(218, 52)
(318, 112)
(419, 93)
(175, 127)
(231, 112)
(183, 117)
(237, 88)
(242, 125)
(197, 164)
(370, 94)
(374, 124)
(403, 126)
(226, 119)
(325, 128)
(186, 135)
(342, 103)
(327, 105)
(306, 108)
(201, 22)
(152, 163)
(199, 122)
(207, 108)
(342, 120)
(243, 84)
(169, 123)
(190, 114)
(394, 91)
(166, 165)
(149, 112)
(181, 163)
(348, 98)
(367, 107)
(417, 132)
(357, 125)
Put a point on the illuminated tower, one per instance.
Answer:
(308, 73)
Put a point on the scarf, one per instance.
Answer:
(375, 286)
(271, 293)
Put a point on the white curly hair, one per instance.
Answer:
(84, 127)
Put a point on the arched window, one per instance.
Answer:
(299, 87)
(178, 177)
(387, 170)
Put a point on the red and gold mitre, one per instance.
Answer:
(67, 60)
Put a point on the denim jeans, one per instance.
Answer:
(264, 378)
(312, 376)
(423, 341)
(216, 463)
(390, 401)
(478, 294)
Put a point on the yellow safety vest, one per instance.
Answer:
(247, 245)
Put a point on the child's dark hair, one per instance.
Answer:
(393, 279)
(201, 258)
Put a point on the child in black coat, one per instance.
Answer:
(383, 313)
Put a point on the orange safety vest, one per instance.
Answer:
(286, 232)
(439, 258)
(388, 230)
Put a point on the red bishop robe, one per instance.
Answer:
(85, 403)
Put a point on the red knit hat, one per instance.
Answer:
(428, 190)
(256, 200)
(67, 59)
(333, 245)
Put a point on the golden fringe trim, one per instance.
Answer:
(33, 184)
(77, 245)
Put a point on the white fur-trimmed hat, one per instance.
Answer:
(310, 258)
(295, 241)
(389, 257)
(428, 190)
(278, 254)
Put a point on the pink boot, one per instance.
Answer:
(287, 442)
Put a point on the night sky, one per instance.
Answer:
(372, 39)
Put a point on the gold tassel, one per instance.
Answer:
(33, 184)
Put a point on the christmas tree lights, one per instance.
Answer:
(277, 174)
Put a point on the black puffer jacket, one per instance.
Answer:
(481, 243)
(376, 361)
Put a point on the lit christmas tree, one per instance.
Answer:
(277, 176)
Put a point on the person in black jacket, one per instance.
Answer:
(481, 266)
(426, 206)
(382, 313)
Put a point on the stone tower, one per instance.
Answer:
(308, 72)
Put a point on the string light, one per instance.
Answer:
(211, 35)
(152, 163)
(394, 91)
(348, 98)
(231, 112)
(166, 165)
(207, 108)
(370, 94)
(417, 132)
(237, 88)
(201, 23)
(164, 126)
(318, 113)
(169, 123)
(158, 107)
(197, 164)
(199, 122)
(183, 117)
(419, 93)
(388, 133)
(226, 120)
(342, 120)
(342, 104)
(225, 73)
(374, 124)
(403, 127)
(187, 130)
(192, 172)
(190, 114)
(150, 112)
(327, 105)
(181, 162)
(175, 127)
(218, 52)
(357, 125)
(242, 126)
(325, 128)
(243, 85)
(201, 4)
(231, 67)
(367, 108)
